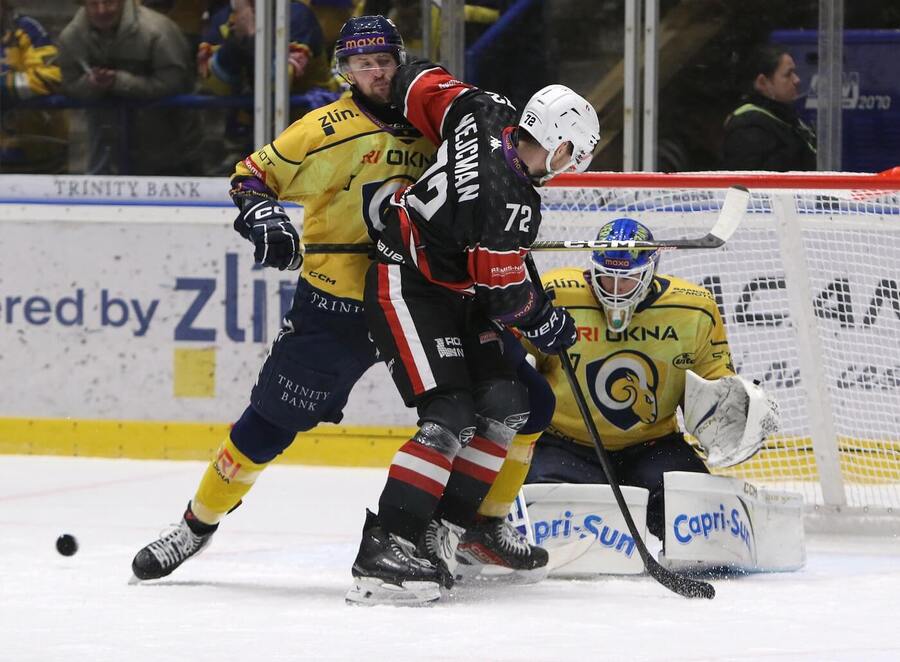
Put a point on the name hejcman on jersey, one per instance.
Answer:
(466, 167)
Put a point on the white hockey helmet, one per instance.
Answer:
(556, 114)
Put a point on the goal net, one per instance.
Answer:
(809, 288)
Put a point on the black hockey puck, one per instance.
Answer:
(66, 544)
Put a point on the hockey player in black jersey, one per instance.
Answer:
(449, 276)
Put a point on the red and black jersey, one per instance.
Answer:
(468, 221)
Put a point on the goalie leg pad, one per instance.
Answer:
(583, 529)
(644, 465)
(715, 522)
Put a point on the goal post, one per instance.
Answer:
(808, 288)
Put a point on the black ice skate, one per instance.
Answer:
(438, 546)
(494, 549)
(387, 570)
(161, 557)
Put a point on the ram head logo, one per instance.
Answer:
(623, 387)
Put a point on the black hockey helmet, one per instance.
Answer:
(369, 34)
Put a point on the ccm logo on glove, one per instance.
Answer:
(265, 223)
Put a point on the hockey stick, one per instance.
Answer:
(685, 586)
(733, 208)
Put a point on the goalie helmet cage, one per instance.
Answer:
(809, 288)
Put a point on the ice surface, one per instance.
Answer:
(271, 586)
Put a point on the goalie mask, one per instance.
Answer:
(621, 278)
(555, 115)
(368, 34)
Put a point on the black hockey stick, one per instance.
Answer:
(733, 208)
(685, 586)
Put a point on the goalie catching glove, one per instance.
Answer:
(264, 222)
(730, 417)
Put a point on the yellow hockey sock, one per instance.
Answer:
(229, 476)
(512, 474)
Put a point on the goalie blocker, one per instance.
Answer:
(711, 522)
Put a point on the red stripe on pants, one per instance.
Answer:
(393, 320)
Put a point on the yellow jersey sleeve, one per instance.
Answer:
(279, 164)
(714, 357)
(339, 163)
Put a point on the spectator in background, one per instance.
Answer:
(225, 56)
(225, 64)
(117, 49)
(765, 132)
(31, 140)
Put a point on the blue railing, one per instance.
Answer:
(311, 99)
(307, 101)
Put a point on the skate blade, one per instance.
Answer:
(134, 580)
(370, 591)
(499, 574)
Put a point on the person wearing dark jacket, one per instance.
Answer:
(118, 50)
(765, 132)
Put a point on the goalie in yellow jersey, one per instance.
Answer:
(644, 339)
(340, 162)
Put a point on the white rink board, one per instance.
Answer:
(94, 300)
(166, 257)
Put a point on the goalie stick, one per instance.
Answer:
(733, 208)
(684, 586)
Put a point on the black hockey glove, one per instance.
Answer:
(552, 330)
(264, 222)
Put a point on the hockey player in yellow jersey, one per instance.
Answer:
(340, 162)
(633, 348)
(639, 332)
